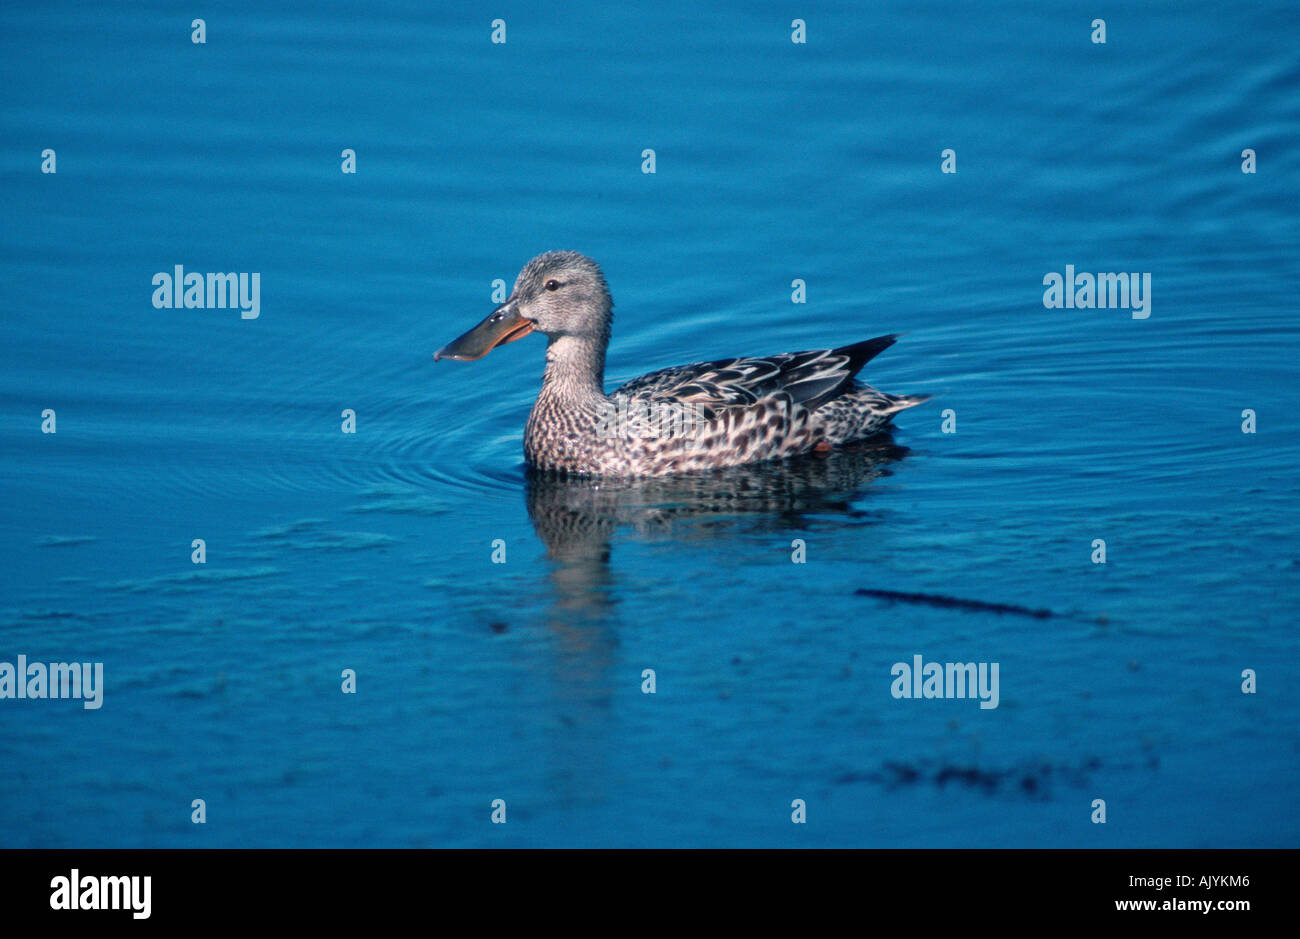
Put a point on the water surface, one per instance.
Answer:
(522, 681)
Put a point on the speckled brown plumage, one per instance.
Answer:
(676, 420)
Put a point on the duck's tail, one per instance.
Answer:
(860, 353)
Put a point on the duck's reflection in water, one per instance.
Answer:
(576, 518)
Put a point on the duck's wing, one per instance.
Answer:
(807, 378)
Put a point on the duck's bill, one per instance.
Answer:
(504, 324)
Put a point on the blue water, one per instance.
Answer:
(522, 681)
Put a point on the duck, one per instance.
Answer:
(682, 419)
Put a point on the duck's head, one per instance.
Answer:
(559, 293)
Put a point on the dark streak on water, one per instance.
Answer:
(953, 603)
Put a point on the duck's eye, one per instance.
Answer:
(552, 285)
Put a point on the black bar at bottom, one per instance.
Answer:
(339, 887)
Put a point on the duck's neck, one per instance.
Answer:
(575, 371)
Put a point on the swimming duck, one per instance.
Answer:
(675, 420)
